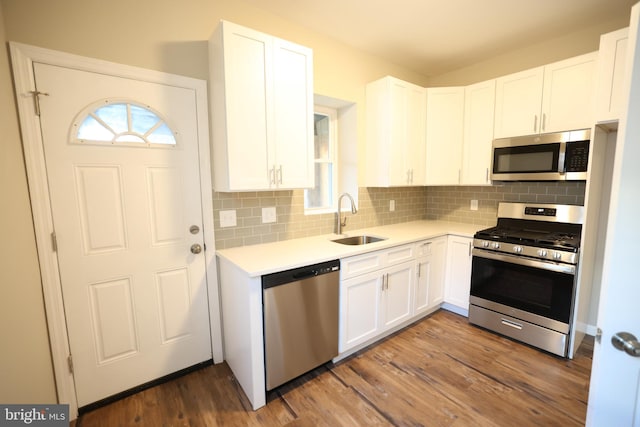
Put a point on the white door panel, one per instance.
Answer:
(614, 398)
(135, 296)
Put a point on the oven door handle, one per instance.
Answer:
(527, 262)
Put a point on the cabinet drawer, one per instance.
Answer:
(399, 254)
(360, 264)
(365, 263)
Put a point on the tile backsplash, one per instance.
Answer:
(448, 203)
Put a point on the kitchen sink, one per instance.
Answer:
(359, 240)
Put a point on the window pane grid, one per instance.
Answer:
(122, 123)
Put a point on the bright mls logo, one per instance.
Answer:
(36, 415)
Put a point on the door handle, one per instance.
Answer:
(624, 341)
(196, 248)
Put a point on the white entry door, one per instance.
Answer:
(614, 395)
(123, 171)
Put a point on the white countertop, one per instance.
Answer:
(257, 260)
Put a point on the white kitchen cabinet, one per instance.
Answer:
(458, 276)
(518, 103)
(262, 111)
(395, 133)
(359, 309)
(569, 94)
(397, 294)
(610, 90)
(376, 294)
(556, 97)
(479, 106)
(445, 123)
(430, 274)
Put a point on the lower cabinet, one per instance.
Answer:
(458, 277)
(382, 290)
(430, 266)
(374, 302)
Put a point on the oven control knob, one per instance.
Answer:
(495, 245)
(517, 249)
(485, 244)
(542, 252)
(557, 255)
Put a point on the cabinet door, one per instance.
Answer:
(610, 89)
(248, 96)
(568, 98)
(359, 309)
(518, 103)
(291, 154)
(397, 299)
(414, 153)
(479, 103)
(395, 133)
(421, 296)
(445, 122)
(458, 281)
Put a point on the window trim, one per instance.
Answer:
(332, 114)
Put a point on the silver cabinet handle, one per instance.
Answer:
(535, 123)
(272, 175)
(418, 273)
(196, 248)
(280, 175)
(544, 121)
(486, 177)
(624, 341)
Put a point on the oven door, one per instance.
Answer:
(535, 291)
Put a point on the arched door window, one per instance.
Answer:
(125, 123)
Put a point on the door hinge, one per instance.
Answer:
(54, 242)
(598, 335)
(36, 100)
(70, 363)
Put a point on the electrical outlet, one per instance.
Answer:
(268, 215)
(474, 205)
(392, 205)
(228, 218)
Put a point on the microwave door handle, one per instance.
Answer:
(562, 167)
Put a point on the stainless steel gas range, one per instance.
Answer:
(523, 280)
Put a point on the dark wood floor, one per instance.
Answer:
(438, 372)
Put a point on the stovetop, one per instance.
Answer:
(565, 239)
(552, 241)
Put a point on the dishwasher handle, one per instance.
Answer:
(300, 273)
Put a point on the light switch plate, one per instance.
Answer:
(228, 218)
(392, 205)
(474, 205)
(268, 215)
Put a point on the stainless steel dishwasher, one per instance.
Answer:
(300, 320)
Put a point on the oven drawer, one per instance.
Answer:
(537, 336)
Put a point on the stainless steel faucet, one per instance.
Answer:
(340, 223)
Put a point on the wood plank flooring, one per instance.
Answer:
(440, 371)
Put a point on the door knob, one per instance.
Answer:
(196, 248)
(624, 341)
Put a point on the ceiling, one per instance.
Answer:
(432, 37)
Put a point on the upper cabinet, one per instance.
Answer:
(610, 90)
(445, 121)
(556, 97)
(395, 133)
(262, 111)
(479, 102)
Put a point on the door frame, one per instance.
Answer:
(23, 56)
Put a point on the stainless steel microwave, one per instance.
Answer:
(562, 156)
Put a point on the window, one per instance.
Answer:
(323, 197)
(121, 123)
